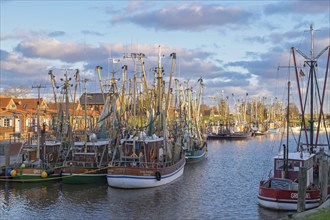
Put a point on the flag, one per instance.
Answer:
(301, 73)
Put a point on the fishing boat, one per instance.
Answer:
(258, 129)
(280, 191)
(188, 122)
(38, 159)
(86, 162)
(145, 153)
(273, 130)
(37, 163)
(227, 133)
(85, 156)
(143, 163)
(228, 128)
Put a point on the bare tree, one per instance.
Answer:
(16, 91)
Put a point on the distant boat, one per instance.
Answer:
(229, 136)
(227, 133)
(295, 129)
(273, 130)
(258, 129)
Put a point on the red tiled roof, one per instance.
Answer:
(29, 103)
(5, 102)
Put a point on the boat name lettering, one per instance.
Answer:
(295, 196)
(146, 172)
(36, 171)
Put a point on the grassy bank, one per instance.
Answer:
(322, 214)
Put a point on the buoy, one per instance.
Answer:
(44, 174)
(13, 173)
(23, 165)
(9, 171)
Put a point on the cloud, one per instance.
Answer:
(257, 39)
(192, 17)
(16, 69)
(19, 34)
(298, 7)
(56, 33)
(191, 64)
(49, 48)
(95, 33)
(4, 55)
(25, 66)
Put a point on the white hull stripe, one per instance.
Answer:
(287, 200)
(195, 157)
(144, 177)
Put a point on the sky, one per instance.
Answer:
(237, 47)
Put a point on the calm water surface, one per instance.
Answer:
(224, 186)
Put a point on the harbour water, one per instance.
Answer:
(224, 186)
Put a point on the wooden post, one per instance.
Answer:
(323, 176)
(302, 189)
(321, 168)
(324, 181)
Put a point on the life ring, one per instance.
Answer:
(50, 157)
(158, 176)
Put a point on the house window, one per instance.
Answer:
(6, 122)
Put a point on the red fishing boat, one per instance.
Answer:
(280, 191)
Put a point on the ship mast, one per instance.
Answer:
(312, 63)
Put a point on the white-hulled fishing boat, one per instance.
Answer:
(142, 164)
(144, 153)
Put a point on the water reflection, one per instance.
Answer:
(29, 198)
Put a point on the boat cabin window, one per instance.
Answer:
(279, 165)
(293, 165)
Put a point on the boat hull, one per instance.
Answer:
(273, 130)
(233, 136)
(194, 156)
(280, 199)
(36, 175)
(78, 175)
(134, 178)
